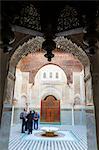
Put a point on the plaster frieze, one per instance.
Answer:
(28, 47)
(70, 47)
(63, 44)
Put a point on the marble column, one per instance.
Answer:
(82, 87)
(12, 116)
(7, 110)
(95, 81)
(73, 122)
(95, 85)
(3, 74)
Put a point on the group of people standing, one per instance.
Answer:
(29, 121)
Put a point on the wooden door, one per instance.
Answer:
(50, 110)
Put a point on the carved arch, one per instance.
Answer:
(34, 44)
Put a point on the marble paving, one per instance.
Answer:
(70, 138)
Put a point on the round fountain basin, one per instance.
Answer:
(49, 131)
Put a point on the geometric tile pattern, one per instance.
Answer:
(75, 140)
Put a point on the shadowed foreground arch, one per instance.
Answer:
(33, 45)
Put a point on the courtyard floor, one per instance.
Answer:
(70, 138)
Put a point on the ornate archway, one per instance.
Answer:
(33, 45)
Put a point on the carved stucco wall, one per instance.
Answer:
(43, 87)
(65, 60)
(21, 89)
(50, 85)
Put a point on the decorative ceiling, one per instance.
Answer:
(68, 19)
(49, 19)
(28, 17)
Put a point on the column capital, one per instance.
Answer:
(87, 77)
(11, 76)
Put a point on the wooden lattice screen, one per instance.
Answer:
(50, 110)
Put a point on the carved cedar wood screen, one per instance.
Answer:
(50, 109)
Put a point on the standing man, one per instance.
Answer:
(23, 117)
(36, 118)
(33, 117)
(29, 122)
(26, 113)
